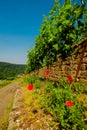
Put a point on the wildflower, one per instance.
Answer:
(69, 103)
(30, 87)
(47, 73)
(69, 79)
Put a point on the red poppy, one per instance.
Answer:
(69, 103)
(30, 87)
(47, 73)
(69, 79)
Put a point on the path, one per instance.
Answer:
(6, 94)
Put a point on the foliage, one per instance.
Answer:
(61, 29)
(56, 96)
(10, 71)
(30, 79)
(61, 100)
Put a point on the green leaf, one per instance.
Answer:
(56, 47)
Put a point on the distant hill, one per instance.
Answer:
(10, 71)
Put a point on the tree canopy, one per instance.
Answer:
(61, 29)
(10, 71)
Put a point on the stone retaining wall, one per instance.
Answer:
(14, 122)
(74, 65)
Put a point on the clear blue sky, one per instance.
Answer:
(20, 22)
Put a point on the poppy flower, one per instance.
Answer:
(30, 87)
(47, 73)
(69, 79)
(69, 103)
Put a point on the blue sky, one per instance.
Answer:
(20, 22)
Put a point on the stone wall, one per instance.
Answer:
(74, 65)
(14, 123)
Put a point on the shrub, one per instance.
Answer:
(30, 79)
(63, 104)
(37, 84)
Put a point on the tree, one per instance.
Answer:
(61, 29)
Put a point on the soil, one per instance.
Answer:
(18, 117)
(6, 94)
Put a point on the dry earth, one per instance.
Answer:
(6, 94)
(33, 122)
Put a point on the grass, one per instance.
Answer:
(3, 83)
(32, 103)
(35, 99)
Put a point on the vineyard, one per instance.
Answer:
(53, 90)
(63, 102)
(62, 29)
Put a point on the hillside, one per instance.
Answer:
(10, 71)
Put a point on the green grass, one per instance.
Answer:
(4, 83)
(52, 97)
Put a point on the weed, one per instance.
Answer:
(60, 100)
(63, 104)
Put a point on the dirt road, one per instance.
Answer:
(6, 94)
